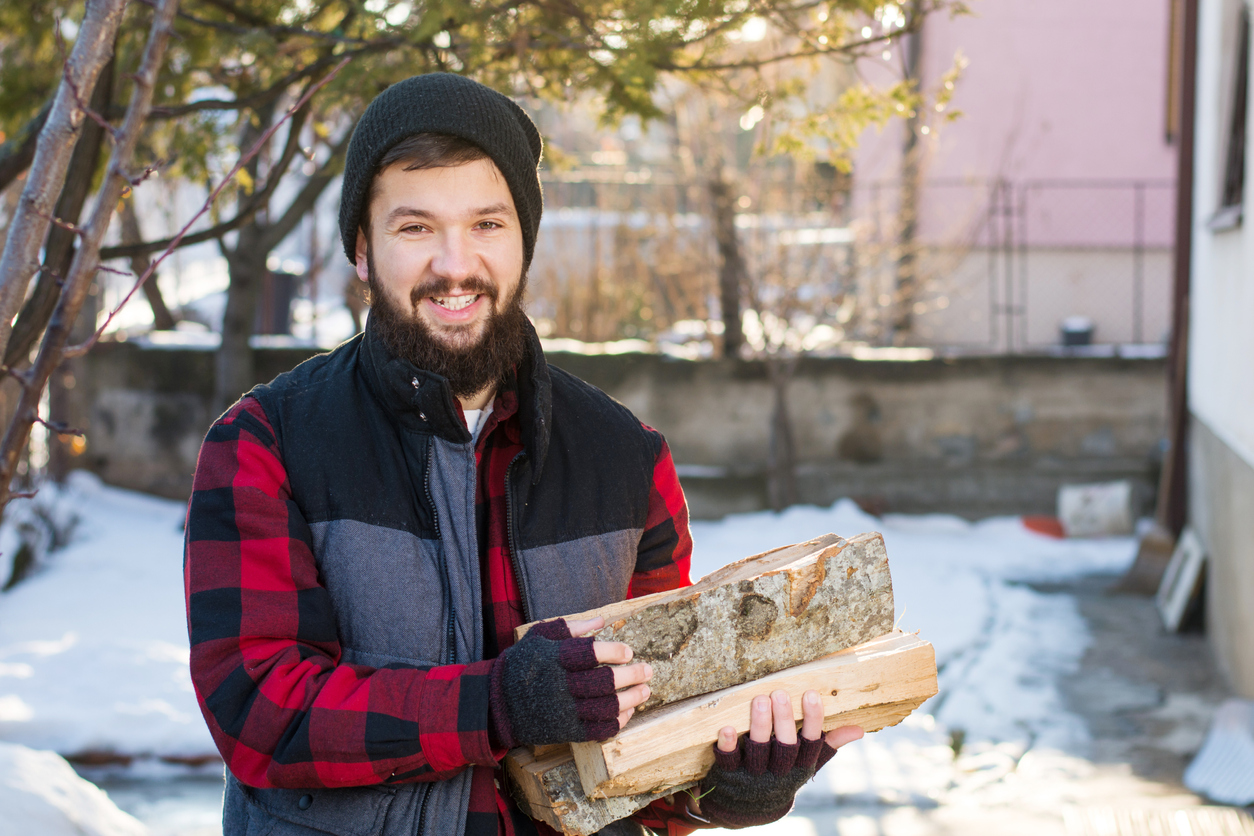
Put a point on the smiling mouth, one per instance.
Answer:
(455, 303)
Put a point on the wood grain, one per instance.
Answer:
(548, 788)
(754, 617)
(873, 685)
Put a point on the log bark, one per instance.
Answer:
(874, 685)
(757, 616)
(547, 788)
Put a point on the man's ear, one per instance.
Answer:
(363, 266)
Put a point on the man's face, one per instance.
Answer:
(447, 248)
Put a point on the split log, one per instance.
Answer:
(756, 616)
(873, 685)
(547, 787)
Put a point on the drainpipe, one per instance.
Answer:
(1172, 508)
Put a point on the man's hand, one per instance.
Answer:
(557, 685)
(775, 713)
(755, 782)
(629, 680)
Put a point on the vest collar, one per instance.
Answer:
(422, 401)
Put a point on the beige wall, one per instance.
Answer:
(970, 435)
(1049, 284)
(1220, 501)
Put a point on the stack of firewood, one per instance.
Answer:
(814, 616)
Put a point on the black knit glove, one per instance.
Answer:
(549, 688)
(755, 783)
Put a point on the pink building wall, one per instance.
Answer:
(1053, 89)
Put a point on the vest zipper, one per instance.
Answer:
(450, 636)
(513, 542)
(422, 810)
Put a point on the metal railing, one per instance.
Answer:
(996, 265)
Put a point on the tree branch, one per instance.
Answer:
(307, 196)
(59, 247)
(16, 154)
(60, 133)
(52, 350)
(175, 242)
(252, 206)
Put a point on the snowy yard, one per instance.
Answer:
(93, 656)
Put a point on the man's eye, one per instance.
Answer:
(489, 225)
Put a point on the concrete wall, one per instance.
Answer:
(974, 435)
(1221, 494)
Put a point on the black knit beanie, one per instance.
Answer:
(444, 103)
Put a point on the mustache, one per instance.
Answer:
(445, 287)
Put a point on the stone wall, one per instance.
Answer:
(970, 435)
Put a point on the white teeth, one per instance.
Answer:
(455, 303)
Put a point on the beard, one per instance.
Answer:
(469, 365)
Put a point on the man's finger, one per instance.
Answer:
(781, 712)
(612, 653)
(811, 715)
(727, 739)
(585, 626)
(760, 719)
(845, 734)
(627, 675)
(632, 697)
(624, 716)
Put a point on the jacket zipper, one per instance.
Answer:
(450, 635)
(513, 541)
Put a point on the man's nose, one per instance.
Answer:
(455, 258)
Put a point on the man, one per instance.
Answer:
(367, 530)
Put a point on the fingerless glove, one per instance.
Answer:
(755, 783)
(549, 688)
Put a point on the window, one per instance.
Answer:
(1230, 206)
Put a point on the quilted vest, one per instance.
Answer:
(383, 473)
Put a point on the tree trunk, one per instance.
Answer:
(731, 271)
(781, 463)
(66, 405)
(907, 280)
(162, 319)
(20, 261)
(235, 366)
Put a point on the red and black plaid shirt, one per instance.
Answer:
(269, 566)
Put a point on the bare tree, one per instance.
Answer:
(20, 261)
(87, 259)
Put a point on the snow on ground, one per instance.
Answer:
(93, 648)
(995, 751)
(41, 794)
(999, 644)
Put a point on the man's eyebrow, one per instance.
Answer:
(494, 209)
(414, 212)
(408, 212)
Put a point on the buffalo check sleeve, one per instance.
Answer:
(664, 554)
(283, 708)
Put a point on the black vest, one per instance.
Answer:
(382, 472)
